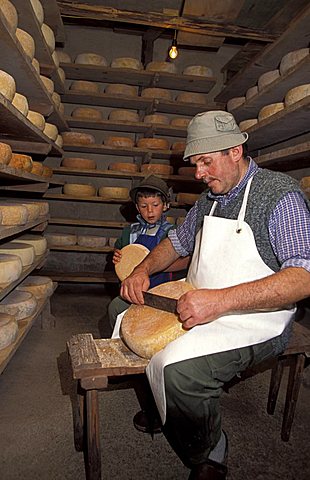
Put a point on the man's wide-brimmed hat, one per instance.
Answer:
(151, 182)
(211, 132)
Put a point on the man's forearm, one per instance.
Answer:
(159, 259)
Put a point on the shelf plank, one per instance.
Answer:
(19, 176)
(79, 248)
(9, 231)
(141, 78)
(82, 277)
(289, 158)
(87, 223)
(127, 152)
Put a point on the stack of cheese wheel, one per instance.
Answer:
(132, 255)
(266, 78)
(234, 103)
(36, 119)
(123, 116)
(20, 161)
(38, 10)
(91, 241)
(296, 94)
(64, 57)
(38, 242)
(187, 198)
(19, 304)
(22, 250)
(187, 171)
(126, 62)
(111, 241)
(154, 92)
(157, 168)
(60, 239)
(79, 189)
(180, 122)
(270, 110)
(153, 143)
(156, 118)
(199, 70)
(121, 89)
(37, 168)
(91, 59)
(21, 103)
(5, 153)
(7, 85)
(8, 330)
(292, 58)
(85, 86)
(11, 268)
(27, 43)
(147, 330)
(10, 14)
(48, 84)
(51, 131)
(87, 113)
(49, 37)
(123, 167)
(305, 184)
(79, 163)
(251, 92)
(178, 146)
(13, 214)
(114, 193)
(47, 171)
(246, 124)
(161, 67)
(189, 97)
(38, 286)
(123, 142)
(78, 138)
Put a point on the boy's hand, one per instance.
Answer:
(117, 255)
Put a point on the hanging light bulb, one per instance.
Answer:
(173, 52)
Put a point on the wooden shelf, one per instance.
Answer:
(9, 231)
(19, 176)
(82, 277)
(87, 223)
(53, 19)
(192, 83)
(79, 248)
(39, 260)
(275, 91)
(289, 158)
(288, 123)
(59, 120)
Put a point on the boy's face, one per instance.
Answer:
(150, 208)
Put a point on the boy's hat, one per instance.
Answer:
(151, 182)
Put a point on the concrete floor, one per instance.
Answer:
(36, 440)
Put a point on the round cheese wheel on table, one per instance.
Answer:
(292, 58)
(199, 70)
(245, 124)
(187, 171)
(79, 190)
(60, 239)
(38, 286)
(5, 153)
(37, 168)
(123, 116)
(49, 36)
(78, 138)
(85, 86)
(79, 163)
(27, 43)
(7, 85)
(124, 142)
(8, 330)
(11, 268)
(121, 89)
(132, 255)
(51, 131)
(234, 103)
(19, 304)
(114, 193)
(36, 119)
(266, 78)
(88, 113)
(158, 168)
(156, 118)
(153, 143)
(189, 97)
(91, 241)
(10, 14)
(187, 198)
(270, 110)
(161, 67)
(21, 103)
(146, 330)
(180, 122)
(123, 167)
(13, 214)
(64, 57)
(91, 59)
(38, 242)
(24, 251)
(296, 94)
(154, 92)
(23, 162)
(251, 92)
(126, 62)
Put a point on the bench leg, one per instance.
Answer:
(275, 382)
(93, 456)
(78, 418)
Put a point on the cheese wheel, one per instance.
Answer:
(64, 57)
(156, 118)
(154, 92)
(123, 116)
(19, 304)
(91, 59)
(38, 286)
(251, 92)
(49, 37)
(27, 43)
(292, 58)
(10, 268)
(7, 85)
(91, 241)
(47, 171)
(157, 168)
(85, 86)
(79, 163)
(51, 131)
(44, 207)
(146, 330)
(55, 59)
(36, 65)
(21, 103)
(188, 97)
(37, 168)
(111, 241)
(36, 119)
(38, 10)
(79, 189)
(234, 103)
(38, 242)
(123, 167)
(132, 255)
(10, 14)
(266, 78)
(61, 74)
(124, 142)
(13, 214)
(87, 113)
(153, 143)
(170, 219)
(59, 141)
(114, 193)
(178, 146)
(5, 153)
(180, 220)
(187, 198)
(127, 62)
(48, 83)
(247, 124)
(60, 239)
(187, 171)
(33, 210)
(161, 67)
(38, 208)
(56, 99)
(8, 330)
(296, 94)
(78, 138)
(270, 110)
(23, 162)
(180, 122)
(121, 89)
(305, 183)
(199, 70)
(24, 251)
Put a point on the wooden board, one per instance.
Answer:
(81, 277)
(14, 175)
(87, 223)
(285, 159)
(79, 248)
(53, 19)
(9, 231)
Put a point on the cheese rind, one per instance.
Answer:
(270, 110)
(178, 146)
(121, 89)
(251, 92)
(21, 103)
(126, 62)
(180, 122)
(154, 92)
(64, 57)
(161, 67)
(38, 10)
(91, 59)
(47, 171)
(33, 209)
(79, 189)
(266, 78)
(296, 94)
(114, 193)
(27, 42)
(59, 141)
(9, 12)
(8, 330)
(23, 162)
(156, 118)
(124, 142)
(10, 268)
(36, 119)
(13, 214)
(91, 241)
(19, 304)
(199, 70)
(123, 116)
(38, 242)
(49, 36)
(38, 286)
(88, 113)
(132, 255)
(78, 138)
(245, 124)
(292, 58)
(79, 163)
(48, 83)
(7, 85)
(157, 168)
(187, 198)
(189, 97)
(5, 153)
(51, 131)
(60, 239)
(24, 251)
(153, 143)
(36, 65)
(123, 167)
(37, 168)
(85, 86)
(234, 103)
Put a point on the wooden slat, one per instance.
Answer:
(289, 158)
(9, 231)
(53, 19)
(79, 248)
(62, 196)
(15, 175)
(86, 223)
(83, 352)
(81, 277)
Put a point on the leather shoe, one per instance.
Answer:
(147, 423)
(209, 470)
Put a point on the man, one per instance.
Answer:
(249, 237)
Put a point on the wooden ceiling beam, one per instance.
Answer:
(160, 20)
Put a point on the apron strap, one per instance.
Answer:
(243, 206)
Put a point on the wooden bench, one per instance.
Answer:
(96, 361)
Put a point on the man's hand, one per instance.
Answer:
(117, 255)
(200, 306)
(133, 286)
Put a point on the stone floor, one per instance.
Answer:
(36, 440)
